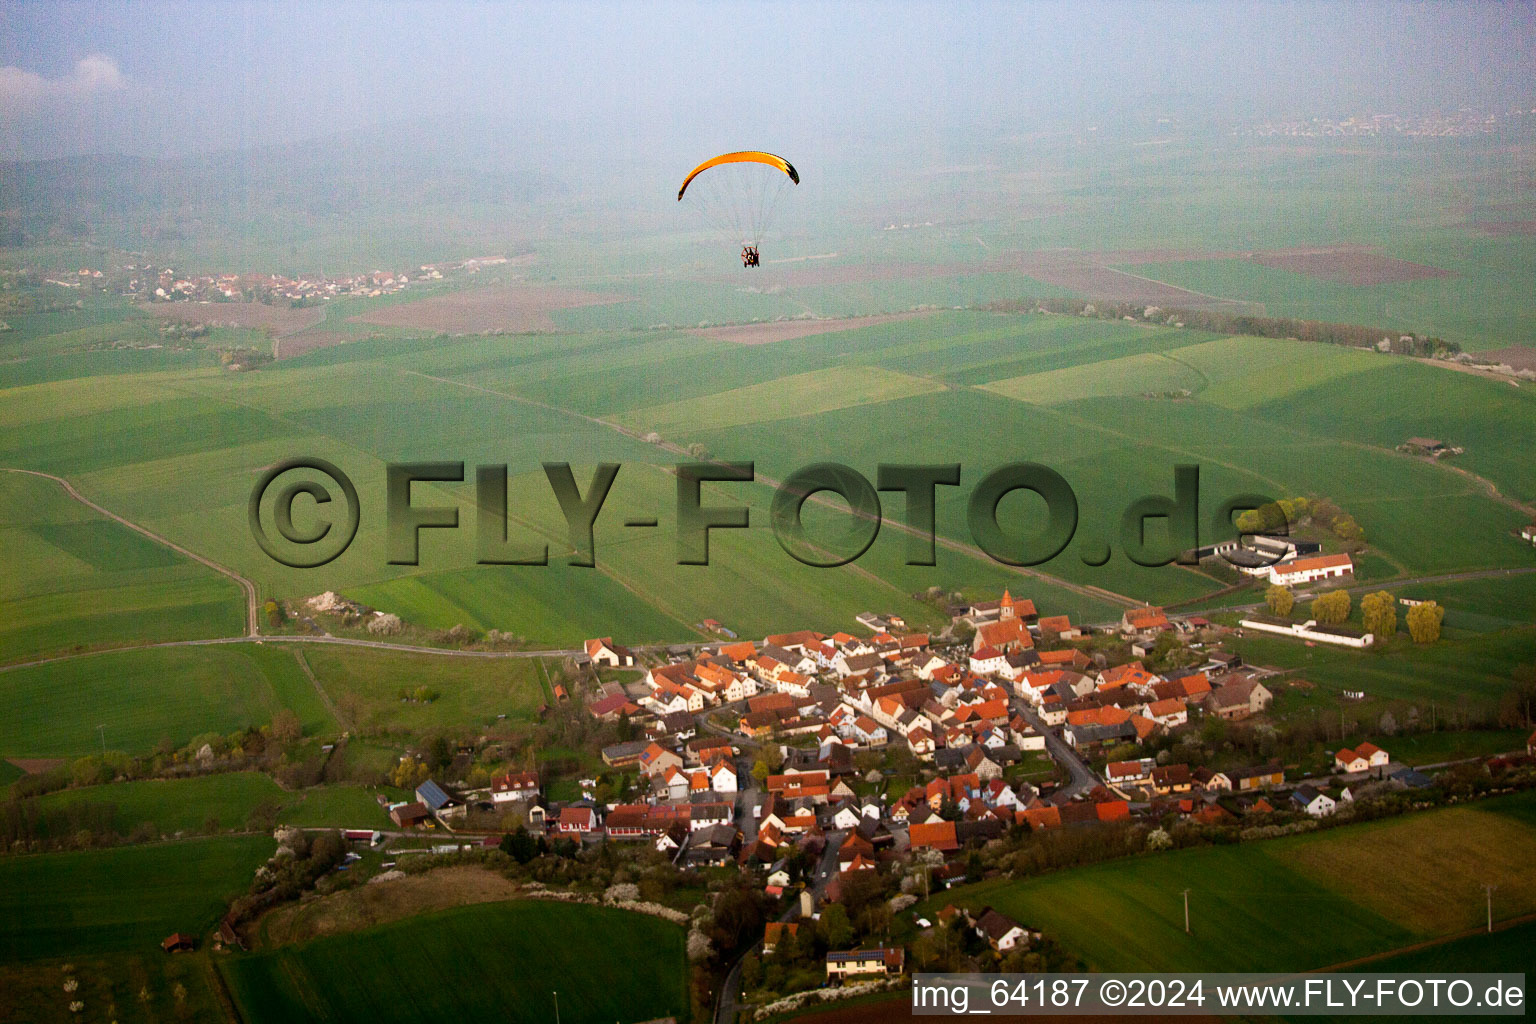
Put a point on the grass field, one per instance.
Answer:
(1480, 663)
(1126, 376)
(1511, 949)
(804, 394)
(77, 579)
(130, 988)
(176, 805)
(124, 899)
(225, 802)
(366, 685)
(1296, 903)
(858, 396)
(142, 697)
(606, 965)
(338, 806)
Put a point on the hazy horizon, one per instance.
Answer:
(171, 80)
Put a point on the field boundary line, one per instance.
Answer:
(325, 698)
(251, 618)
(1414, 947)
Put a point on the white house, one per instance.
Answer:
(847, 817)
(722, 778)
(603, 651)
(1313, 801)
(989, 661)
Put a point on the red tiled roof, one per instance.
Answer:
(938, 836)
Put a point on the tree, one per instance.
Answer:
(286, 727)
(760, 770)
(1347, 530)
(1267, 518)
(520, 845)
(1280, 600)
(751, 972)
(836, 930)
(1378, 612)
(441, 753)
(1424, 622)
(1332, 608)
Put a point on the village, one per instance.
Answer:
(161, 284)
(809, 761)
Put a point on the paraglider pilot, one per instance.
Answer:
(749, 256)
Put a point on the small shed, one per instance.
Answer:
(177, 942)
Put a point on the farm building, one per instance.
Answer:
(438, 800)
(1299, 571)
(410, 815)
(1310, 630)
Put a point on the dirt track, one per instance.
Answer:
(788, 330)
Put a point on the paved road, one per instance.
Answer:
(1081, 778)
(343, 641)
(1192, 608)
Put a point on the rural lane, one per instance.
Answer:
(1081, 778)
(246, 585)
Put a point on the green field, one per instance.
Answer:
(803, 394)
(76, 579)
(605, 964)
(1297, 903)
(1480, 663)
(176, 805)
(224, 802)
(366, 686)
(140, 698)
(862, 396)
(338, 806)
(1126, 376)
(1509, 949)
(125, 899)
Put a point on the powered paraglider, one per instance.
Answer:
(738, 194)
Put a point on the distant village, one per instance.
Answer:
(152, 283)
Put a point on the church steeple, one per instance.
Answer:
(1005, 607)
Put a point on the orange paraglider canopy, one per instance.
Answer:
(750, 156)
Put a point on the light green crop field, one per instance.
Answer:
(1244, 372)
(804, 394)
(76, 579)
(605, 964)
(175, 805)
(140, 697)
(123, 899)
(366, 685)
(1298, 903)
(1128, 375)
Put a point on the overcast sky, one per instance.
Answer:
(152, 80)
